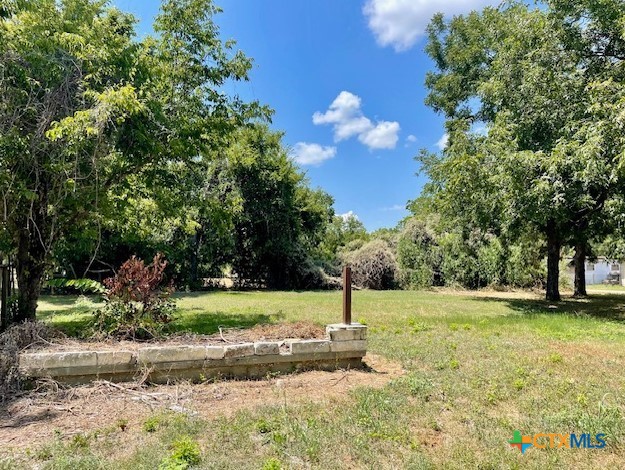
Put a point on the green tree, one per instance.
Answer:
(419, 256)
(344, 232)
(539, 82)
(86, 109)
(279, 220)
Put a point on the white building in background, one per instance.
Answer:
(601, 271)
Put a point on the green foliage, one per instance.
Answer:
(279, 219)
(343, 234)
(272, 464)
(82, 285)
(246, 209)
(137, 303)
(418, 255)
(523, 264)
(144, 152)
(99, 111)
(185, 453)
(435, 253)
(530, 98)
(474, 261)
(151, 424)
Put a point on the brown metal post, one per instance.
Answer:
(347, 295)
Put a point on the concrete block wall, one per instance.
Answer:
(345, 346)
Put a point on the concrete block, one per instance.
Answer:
(340, 346)
(255, 360)
(114, 362)
(239, 350)
(345, 345)
(159, 354)
(215, 352)
(60, 360)
(343, 332)
(115, 358)
(309, 346)
(266, 348)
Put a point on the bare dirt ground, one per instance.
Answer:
(38, 416)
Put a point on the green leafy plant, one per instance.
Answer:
(82, 285)
(151, 424)
(185, 452)
(138, 302)
(272, 464)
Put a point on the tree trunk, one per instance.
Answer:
(30, 266)
(195, 254)
(580, 269)
(553, 265)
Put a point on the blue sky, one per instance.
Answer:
(346, 81)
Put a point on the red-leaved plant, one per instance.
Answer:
(138, 303)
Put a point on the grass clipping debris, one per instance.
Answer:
(14, 340)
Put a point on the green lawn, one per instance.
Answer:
(479, 367)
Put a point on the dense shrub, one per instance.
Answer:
(308, 275)
(373, 265)
(419, 256)
(429, 253)
(138, 302)
(467, 259)
(525, 266)
(480, 260)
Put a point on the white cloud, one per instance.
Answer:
(348, 120)
(411, 139)
(443, 141)
(382, 136)
(348, 215)
(346, 115)
(311, 154)
(400, 23)
(396, 207)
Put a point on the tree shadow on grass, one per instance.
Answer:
(78, 323)
(76, 327)
(610, 307)
(208, 292)
(75, 322)
(208, 323)
(61, 300)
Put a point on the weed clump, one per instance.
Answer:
(185, 453)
